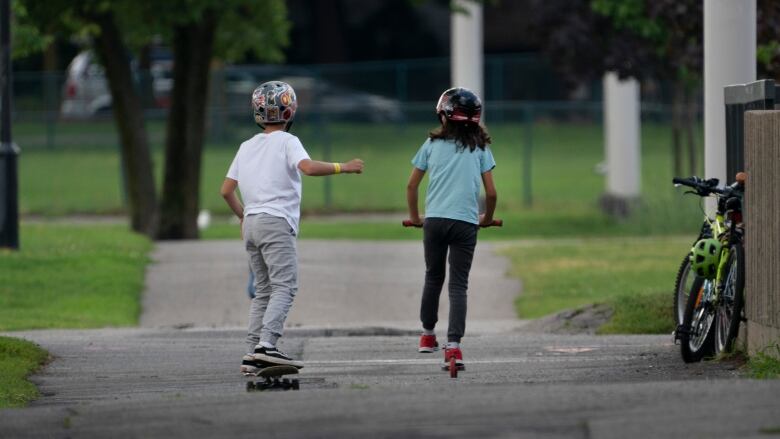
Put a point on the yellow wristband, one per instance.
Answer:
(337, 168)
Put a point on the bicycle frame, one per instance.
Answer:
(720, 233)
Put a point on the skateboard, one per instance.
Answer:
(271, 380)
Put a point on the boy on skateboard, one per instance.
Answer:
(267, 170)
(457, 158)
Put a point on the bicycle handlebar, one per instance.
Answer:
(704, 188)
(495, 223)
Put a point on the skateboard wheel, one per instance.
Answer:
(250, 386)
(296, 385)
(286, 382)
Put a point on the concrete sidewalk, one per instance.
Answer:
(158, 383)
(354, 325)
(342, 284)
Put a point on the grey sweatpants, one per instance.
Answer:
(270, 242)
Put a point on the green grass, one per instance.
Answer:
(537, 222)
(72, 277)
(762, 365)
(564, 184)
(18, 359)
(635, 276)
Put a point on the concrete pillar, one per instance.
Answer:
(762, 231)
(466, 46)
(622, 144)
(729, 58)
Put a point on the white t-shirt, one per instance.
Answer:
(266, 168)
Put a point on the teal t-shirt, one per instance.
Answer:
(454, 179)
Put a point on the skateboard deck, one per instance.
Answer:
(272, 381)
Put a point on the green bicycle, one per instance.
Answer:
(713, 310)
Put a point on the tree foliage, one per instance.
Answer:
(768, 50)
(197, 31)
(582, 44)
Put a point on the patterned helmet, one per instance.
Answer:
(460, 105)
(274, 102)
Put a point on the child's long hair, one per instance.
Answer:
(465, 134)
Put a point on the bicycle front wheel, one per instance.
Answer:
(685, 282)
(731, 302)
(697, 338)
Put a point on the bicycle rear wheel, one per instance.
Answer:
(697, 339)
(731, 303)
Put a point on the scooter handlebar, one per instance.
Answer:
(495, 223)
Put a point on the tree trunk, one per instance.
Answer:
(677, 123)
(128, 113)
(192, 50)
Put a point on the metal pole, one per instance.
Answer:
(9, 186)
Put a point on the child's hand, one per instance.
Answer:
(416, 221)
(354, 166)
(485, 222)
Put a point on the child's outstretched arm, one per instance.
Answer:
(490, 199)
(412, 195)
(316, 169)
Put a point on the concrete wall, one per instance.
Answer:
(762, 229)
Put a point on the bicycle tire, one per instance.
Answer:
(682, 289)
(706, 345)
(681, 286)
(729, 312)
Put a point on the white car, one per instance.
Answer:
(86, 90)
(86, 93)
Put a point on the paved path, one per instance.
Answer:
(365, 379)
(161, 383)
(342, 283)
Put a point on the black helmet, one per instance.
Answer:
(460, 104)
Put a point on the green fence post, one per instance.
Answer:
(326, 147)
(50, 105)
(321, 122)
(528, 120)
(402, 86)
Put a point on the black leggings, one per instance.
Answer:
(441, 234)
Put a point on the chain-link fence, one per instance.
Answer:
(65, 110)
(548, 138)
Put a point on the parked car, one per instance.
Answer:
(86, 90)
(86, 93)
(342, 103)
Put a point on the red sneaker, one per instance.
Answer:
(453, 352)
(428, 344)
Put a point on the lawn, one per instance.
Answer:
(635, 276)
(64, 277)
(72, 277)
(765, 364)
(564, 184)
(18, 358)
